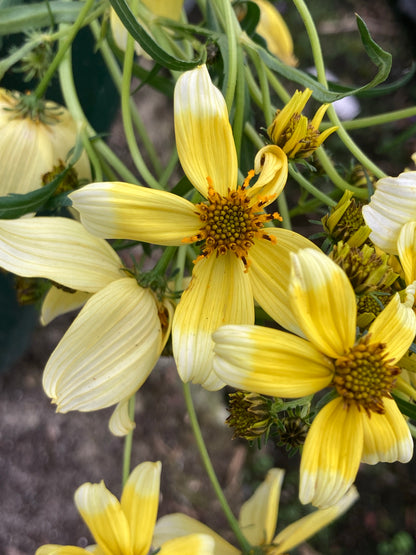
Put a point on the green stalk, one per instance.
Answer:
(238, 122)
(128, 443)
(264, 86)
(226, 13)
(334, 176)
(245, 546)
(307, 185)
(380, 119)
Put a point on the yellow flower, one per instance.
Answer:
(293, 132)
(33, 142)
(117, 338)
(362, 423)
(274, 30)
(241, 259)
(257, 521)
(126, 527)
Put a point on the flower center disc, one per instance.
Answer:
(364, 376)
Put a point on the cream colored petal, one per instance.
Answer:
(258, 515)
(268, 361)
(331, 454)
(306, 527)
(386, 436)
(178, 525)
(26, 154)
(171, 9)
(58, 302)
(58, 249)
(396, 327)
(120, 423)
(140, 502)
(392, 205)
(272, 165)
(124, 211)
(197, 544)
(269, 273)
(109, 350)
(61, 550)
(406, 247)
(219, 293)
(323, 302)
(204, 138)
(103, 515)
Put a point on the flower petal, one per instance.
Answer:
(392, 205)
(53, 549)
(109, 350)
(272, 165)
(58, 302)
(387, 436)
(269, 273)
(406, 247)
(104, 517)
(323, 301)
(58, 249)
(395, 326)
(331, 454)
(124, 211)
(268, 361)
(120, 423)
(258, 515)
(219, 293)
(140, 501)
(204, 138)
(304, 528)
(196, 544)
(177, 525)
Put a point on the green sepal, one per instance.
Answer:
(406, 408)
(147, 43)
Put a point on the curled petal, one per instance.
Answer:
(271, 163)
(406, 247)
(58, 301)
(120, 423)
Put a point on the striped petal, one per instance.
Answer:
(108, 351)
(140, 501)
(124, 211)
(323, 301)
(61, 550)
(197, 544)
(268, 361)
(392, 205)
(58, 249)
(219, 293)
(331, 454)
(258, 515)
(178, 525)
(58, 302)
(406, 247)
(204, 138)
(272, 165)
(120, 423)
(386, 436)
(306, 527)
(269, 272)
(104, 517)
(395, 326)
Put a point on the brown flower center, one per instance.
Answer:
(232, 222)
(363, 375)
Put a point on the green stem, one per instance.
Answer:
(380, 119)
(170, 166)
(65, 44)
(245, 546)
(307, 185)
(264, 86)
(238, 122)
(128, 443)
(164, 260)
(226, 12)
(284, 210)
(334, 176)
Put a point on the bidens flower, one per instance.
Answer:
(241, 258)
(257, 521)
(117, 338)
(125, 527)
(362, 423)
(293, 132)
(33, 141)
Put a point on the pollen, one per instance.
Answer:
(232, 222)
(364, 375)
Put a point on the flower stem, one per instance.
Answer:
(128, 443)
(245, 546)
(307, 185)
(380, 119)
(225, 10)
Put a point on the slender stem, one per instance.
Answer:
(170, 166)
(226, 12)
(238, 123)
(264, 86)
(309, 187)
(128, 443)
(284, 210)
(334, 176)
(65, 44)
(380, 119)
(210, 470)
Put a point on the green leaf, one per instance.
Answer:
(251, 18)
(146, 41)
(15, 19)
(406, 408)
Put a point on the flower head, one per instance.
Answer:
(117, 338)
(126, 527)
(257, 519)
(241, 260)
(362, 423)
(293, 132)
(34, 137)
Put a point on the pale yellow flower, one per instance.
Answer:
(117, 338)
(31, 144)
(241, 260)
(257, 520)
(362, 423)
(126, 527)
